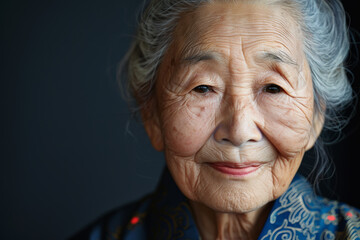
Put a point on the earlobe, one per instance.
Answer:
(152, 125)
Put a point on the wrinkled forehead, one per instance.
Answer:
(255, 24)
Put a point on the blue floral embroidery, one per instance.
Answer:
(297, 215)
(300, 214)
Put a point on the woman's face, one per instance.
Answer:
(233, 105)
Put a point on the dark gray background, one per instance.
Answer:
(66, 152)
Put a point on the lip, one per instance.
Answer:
(235, 169)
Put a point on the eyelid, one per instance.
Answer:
(209, 88)
(277, 91)
(284, 75)
(205, 78)
(278, 78)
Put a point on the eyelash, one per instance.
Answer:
(272, 89)
(203, 89)
(269, 88)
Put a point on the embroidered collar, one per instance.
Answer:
(297, 214)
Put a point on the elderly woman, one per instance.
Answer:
(234, 93)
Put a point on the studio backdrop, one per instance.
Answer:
(70, 149)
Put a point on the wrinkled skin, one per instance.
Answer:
(233, 87)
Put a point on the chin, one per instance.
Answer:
(237, 201)
(223, 194)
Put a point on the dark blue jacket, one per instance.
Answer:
(165, 214)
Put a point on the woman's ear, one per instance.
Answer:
(317, 126)
(150, 118)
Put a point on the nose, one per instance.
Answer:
(238, 125)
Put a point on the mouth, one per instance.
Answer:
(235, 169)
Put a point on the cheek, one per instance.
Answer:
(288, 123)
(187, 125)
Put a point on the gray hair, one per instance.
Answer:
(326, 46)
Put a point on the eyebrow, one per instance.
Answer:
(199, 57)
(274, 56)
(278, 56)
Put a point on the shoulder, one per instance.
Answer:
(113, 224)
(164, 214)
(339, 220)
(300, 212)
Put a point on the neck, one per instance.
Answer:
(218, 225)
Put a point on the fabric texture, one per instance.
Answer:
(298, 214)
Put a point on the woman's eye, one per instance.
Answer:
(203, 89)
(272, 88)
